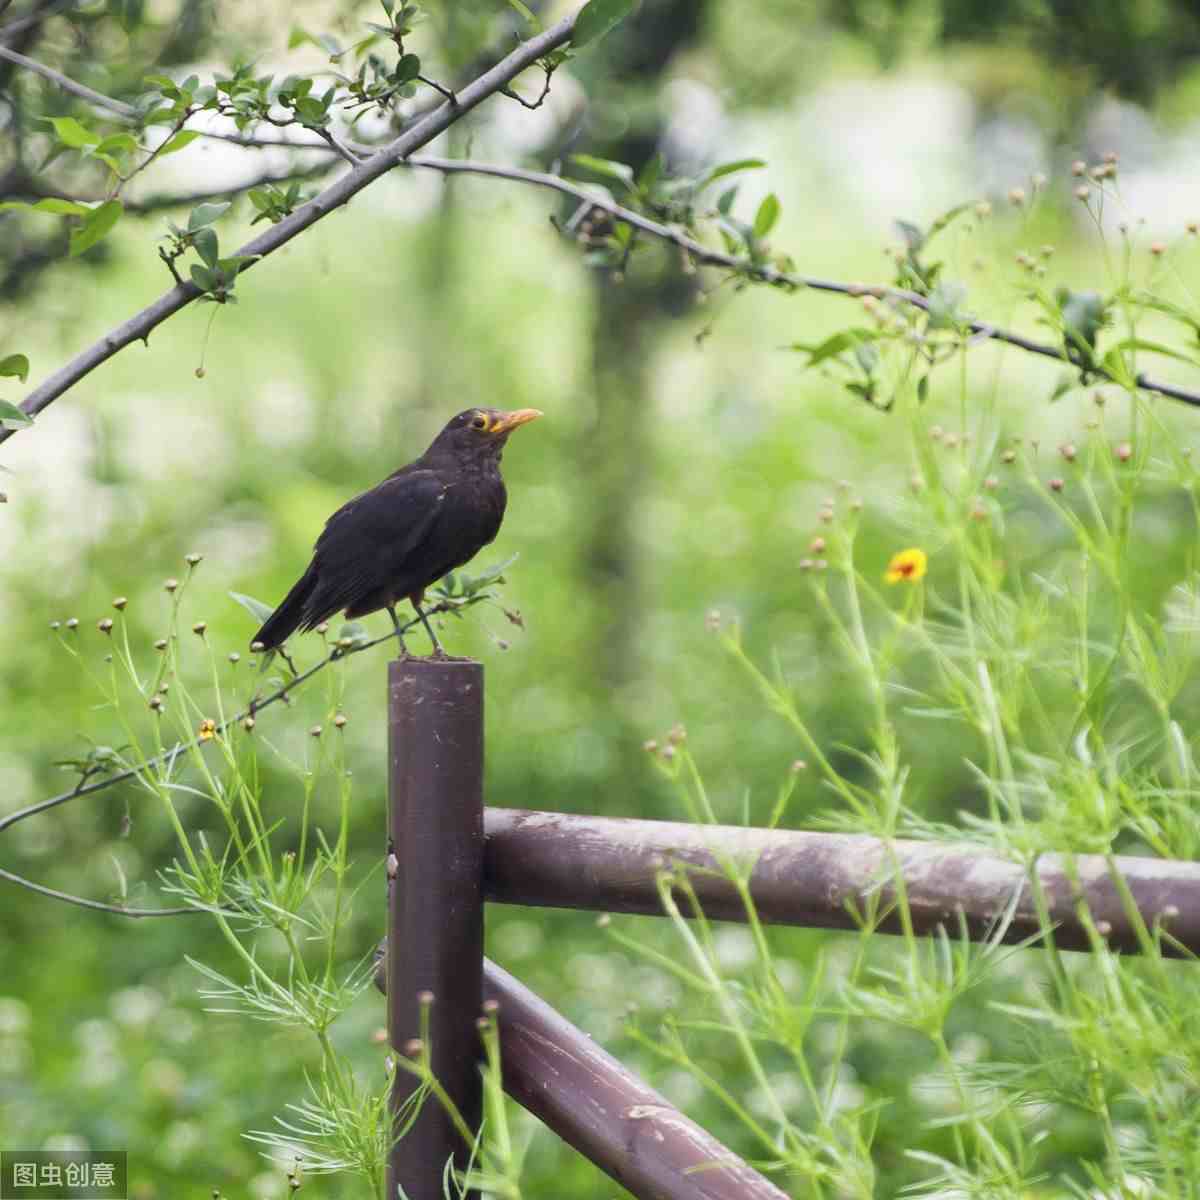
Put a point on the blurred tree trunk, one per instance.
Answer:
(629, 315)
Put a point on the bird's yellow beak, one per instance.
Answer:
(509, 421)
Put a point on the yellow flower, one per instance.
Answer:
(207, 730)
(907, 566)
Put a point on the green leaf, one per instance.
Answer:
(12, 417)
(527, 14)
(206, 214)
(837, 344)
(867, 356)
(62, 208)
(1114, 365)
(355, 632)
(729, 168)
(15, 364)
(237, 262)
(767, 215)
(96, 225)
(205, 278)
(205, 241)
(256, 608)
(471, 584)
(651, 173)
(1084, 314)
(597, 18)
(185, 137)
(913, 235)
(621, 172)
(116, 143)
(1156, 348)
(945, 303)
(408, 68)
(945, 219)
(72, 134)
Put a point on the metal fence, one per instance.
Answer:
(447, 856)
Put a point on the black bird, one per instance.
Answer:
(391, 543)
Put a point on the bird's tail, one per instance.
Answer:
(290, 614)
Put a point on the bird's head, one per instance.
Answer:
(480, 432)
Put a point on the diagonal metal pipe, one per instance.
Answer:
(601, 1108)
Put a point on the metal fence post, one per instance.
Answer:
(435, 901)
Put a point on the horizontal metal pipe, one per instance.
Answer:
(611, 864)
(602, 1109)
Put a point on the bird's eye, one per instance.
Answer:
(479, 422)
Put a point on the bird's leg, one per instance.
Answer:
(399, 632)
(415, 601)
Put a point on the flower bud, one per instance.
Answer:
(1056, 484)
(119, 603)
(193, 559)
(105, 625)
(199, 628)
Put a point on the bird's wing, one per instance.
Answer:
(365, 543)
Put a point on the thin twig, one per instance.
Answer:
(767, 273)
(339, 147)
(512, 94)
(243, 139)
(20, 24)
(83, 902)
(251, 710)
(444, 92)
(119, 107)
(138, 327)
(153, 154)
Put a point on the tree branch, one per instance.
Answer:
(139, 327)
(119, 107)
(83, 902)
(83, 788)
(251, 710)
(765, 272)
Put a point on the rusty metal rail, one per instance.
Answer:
(611, 864)
(446, 855)
(598, 1106)
(435, 903)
